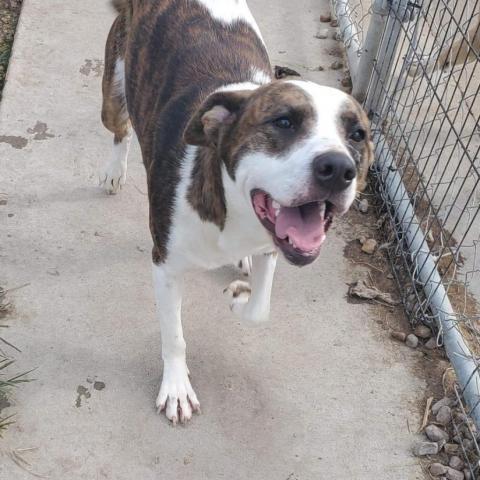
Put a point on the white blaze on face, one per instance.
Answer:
(288, 177)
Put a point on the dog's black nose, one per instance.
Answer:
(334, 171)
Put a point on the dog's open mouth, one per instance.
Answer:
(298, 231)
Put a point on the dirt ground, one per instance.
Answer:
(9, 11)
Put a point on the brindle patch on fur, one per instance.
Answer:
(351, 118)
(166, 81)
(206, 193)
(255, 131)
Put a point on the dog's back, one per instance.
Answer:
(175, 76)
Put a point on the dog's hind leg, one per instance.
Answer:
(251, 302)
(114, 109)
(176, 394)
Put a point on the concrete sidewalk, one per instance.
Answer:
(319, 393)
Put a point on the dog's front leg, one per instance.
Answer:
(251, 302)
(176, 394)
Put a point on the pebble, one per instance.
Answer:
(444, 415)
(457, 439)
(412, 341)
(443, 401)
(322, 34)
(435, 434)
(334, 23)
(326, 18)
(320, 68)
(453, 474)
(369, 246)
(451, 448)
(422, 331)
(363, 205)
(425, 448)
(431, 344)
(456, 463)
(437, 469)
(346, 82)
(400, 336)
(336, 65)
(467, 444)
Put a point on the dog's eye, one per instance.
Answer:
(283, 122)
(358, 135)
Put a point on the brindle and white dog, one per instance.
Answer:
(238, 164)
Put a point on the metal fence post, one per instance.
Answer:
(363, 72)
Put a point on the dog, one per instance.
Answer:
(465, 49)
(239, 164)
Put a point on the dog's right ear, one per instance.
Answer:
(218, 112)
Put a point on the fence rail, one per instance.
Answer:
(415, 66)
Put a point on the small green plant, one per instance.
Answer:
(7, 380)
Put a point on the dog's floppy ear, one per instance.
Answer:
(218, 111)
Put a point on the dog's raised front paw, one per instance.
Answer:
(176, 394)
(114, 177)
(239, 292)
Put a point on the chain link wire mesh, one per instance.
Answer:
(424, 103)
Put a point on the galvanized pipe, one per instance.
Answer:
(457, 350)
(349, 33)
(369, 51)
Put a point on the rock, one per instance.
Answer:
(362, 239)
(425, 448)
(326, 18)
(431, 344)
(323, 34)
(457, 439)
(467, 445)
(334, 23)
(369, 246)
(411, 341)
(363, 205)
(436, 434)
(422, 331)
(437, 469)
(451, 448)
(320, 68)
(444, 401)
(400, 336)
(453, 474)
(467, 474)
(336, 65)
(346, 82)
(456, 462)
(444, 415)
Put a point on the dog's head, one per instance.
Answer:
(297, 152)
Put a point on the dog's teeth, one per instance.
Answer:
(323, 207)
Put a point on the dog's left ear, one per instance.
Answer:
(218, 112)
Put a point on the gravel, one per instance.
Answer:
(444, 415)
(422, 449)
(422, 331)
(412, 341)
(456, 462)
(436, 434)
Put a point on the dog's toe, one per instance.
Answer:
(114, 177)
(177, 397)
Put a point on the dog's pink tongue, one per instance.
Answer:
(305, 228)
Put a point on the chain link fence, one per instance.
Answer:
(415, 66)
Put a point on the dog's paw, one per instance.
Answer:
(176, 396)
(245, 265)
(239, 292)
(114, 177)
